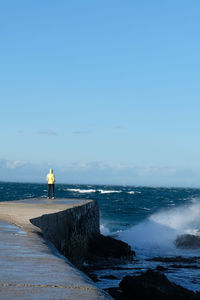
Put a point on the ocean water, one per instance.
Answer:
(149, 219)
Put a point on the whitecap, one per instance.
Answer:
(134, 192)
(145, 208)
(108, 191)
(81, 191)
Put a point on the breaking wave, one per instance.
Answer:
(158, 233)
(108, 191)
(83, 191)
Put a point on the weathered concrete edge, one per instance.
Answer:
(70, 230)
(32, 229)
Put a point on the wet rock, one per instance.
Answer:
(105, 252)
(175, 266)
(107, 246)
(161, 268)
(92, 276)
(175, 259)
(188, 241)
(119, 268)
(117, 293)
(151, 285)
(108, 277)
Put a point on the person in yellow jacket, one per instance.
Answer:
(51, 181)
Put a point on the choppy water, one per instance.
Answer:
(149, 219)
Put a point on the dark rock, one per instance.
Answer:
(175, 259)
(108, 277)
(107, 246)
(92, 276)
(188, 241)
(184, 266)
(116, 293)
(161, 268)
(95, 263)
(151, 285)
(105, 252)
(118, 268)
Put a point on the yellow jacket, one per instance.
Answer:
(50, 177)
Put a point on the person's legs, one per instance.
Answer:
(49, 187)
(53, 190)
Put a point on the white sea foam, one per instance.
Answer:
(104, 230)
(158, 233)
(28, 195)
(101, 191)
(81, 191)
(180, 218)
(92, 191)
(108, 191)
(134, 192)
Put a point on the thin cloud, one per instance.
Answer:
(98, 172)
(8, 164)
(48, 132)
(81, 131)
(20, 131)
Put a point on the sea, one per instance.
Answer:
(149, 219)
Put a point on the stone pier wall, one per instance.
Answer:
(71, 229)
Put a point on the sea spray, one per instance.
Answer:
(186, 217)
(157, 234)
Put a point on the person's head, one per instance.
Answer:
(50, 171)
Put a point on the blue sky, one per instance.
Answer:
(101, 91)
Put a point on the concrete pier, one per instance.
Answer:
(31, 267)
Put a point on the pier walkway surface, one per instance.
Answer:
(30, 267)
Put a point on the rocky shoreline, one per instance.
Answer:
(151, 285)
(108, 253)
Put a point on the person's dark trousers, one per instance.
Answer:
(50, 186)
